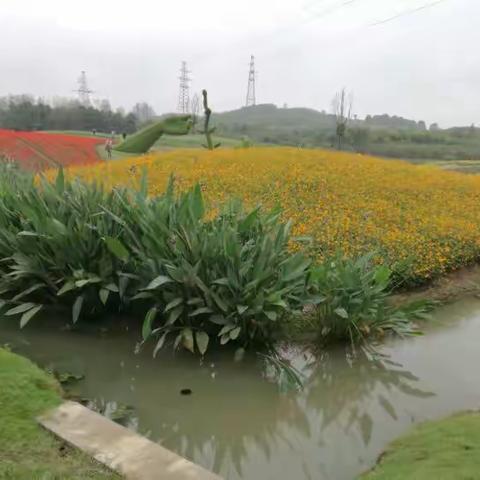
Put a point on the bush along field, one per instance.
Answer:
(419, 220)
(201, 277)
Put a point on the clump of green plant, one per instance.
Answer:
(231, 278)
(56, 247)
(353, 301)
(201, 280)
(245, 142)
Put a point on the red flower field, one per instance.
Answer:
(39, 150)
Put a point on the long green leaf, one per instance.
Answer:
(27, 316)
(158, 282)
(187, 339)
(202, 340)
(148, 322)
(20, 308)
(159, 344)
(67, 286)
(117, 248)
(77, 308)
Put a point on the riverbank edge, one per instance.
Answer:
(453, 286)
(123, 450)
(445, 448)
(27, 450)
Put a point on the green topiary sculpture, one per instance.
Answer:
(143, 140)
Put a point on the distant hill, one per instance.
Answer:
(384, 135)
(267, 120)
(274, 118)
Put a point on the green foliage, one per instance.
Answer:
(352, 299)
(206, 281)
(245, 143)
(143, 140)
(227, 279)
(24, 112)
(56, 246)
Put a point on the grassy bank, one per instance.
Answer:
(27, 452)
(446, 449)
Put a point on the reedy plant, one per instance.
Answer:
(231, 278)
(55, 244)
(353, 298)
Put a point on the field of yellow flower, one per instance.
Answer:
(345, 202)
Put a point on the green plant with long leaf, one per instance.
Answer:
(215, 281)
(55, 247)
(354, 301)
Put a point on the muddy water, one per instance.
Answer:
(238, 423)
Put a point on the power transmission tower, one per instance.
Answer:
(251, 100)
(83, 90)
(184, 93)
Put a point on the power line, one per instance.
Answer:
(330, 10)
(408, 12)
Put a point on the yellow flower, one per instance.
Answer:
(343, 201)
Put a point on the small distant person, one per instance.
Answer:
(94, 131)
(124, 135)
(108, 147)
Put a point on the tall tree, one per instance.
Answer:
(143, 111)
(342, 110)
(195, 109)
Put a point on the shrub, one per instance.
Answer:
(229, 278)
(353, 301)
(55, 243)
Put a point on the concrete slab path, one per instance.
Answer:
(122, 450)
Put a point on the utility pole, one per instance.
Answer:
(83, 90)
(251, 100)
(184, 92)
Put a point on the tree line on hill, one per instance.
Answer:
(24, 112)
(385, 135)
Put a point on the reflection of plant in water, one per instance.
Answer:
(116, 411)
(344, 382)
(254, 419)
(280, 370)
(339, 385)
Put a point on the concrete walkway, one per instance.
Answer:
(131, 455)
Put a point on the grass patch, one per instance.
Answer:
(27, 452)
(192, 140)
(444, 449)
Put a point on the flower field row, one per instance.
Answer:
(38, 151)
(418, 216)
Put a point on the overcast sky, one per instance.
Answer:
(423, 65)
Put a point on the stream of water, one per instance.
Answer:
(238, 423)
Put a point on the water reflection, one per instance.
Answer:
(255, 421)
(344, 383)
(238, 423)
